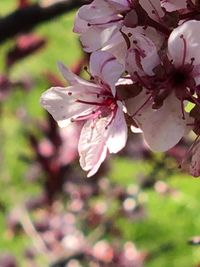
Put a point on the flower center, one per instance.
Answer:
(179, 78)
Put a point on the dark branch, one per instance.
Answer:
(25, 19)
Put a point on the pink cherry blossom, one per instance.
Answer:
(147, 66)
(100, 23)
(168, 85)
(96, 104)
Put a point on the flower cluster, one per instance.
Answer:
(144, 73)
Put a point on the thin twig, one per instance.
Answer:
(31, 232)
(25, 19)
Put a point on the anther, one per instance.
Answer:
(86, 69)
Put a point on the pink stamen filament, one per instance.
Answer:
(109, 103)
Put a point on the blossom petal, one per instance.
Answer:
(184, 43)
(117, 47)
(80, 25)
(142, 56)
(106, 67)
(63, 107)
(96, 37)
(121, 5)
(163, 128)
(117, 135)
(136, 104)
(74, 79)
(153, 8)
(92, 145)
(99, 11)
(171, 5)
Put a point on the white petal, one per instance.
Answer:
(147, 53)
(105, 66)
(80, 25)
(96, 37)
(153, 8)
(190, 31)
(117, 47)
(163, 128)
(99, 11)
(171, 5)
(74, 79)
(62, 106)
(121, 5)
(117, 135)
(92, 146)
(133, 105)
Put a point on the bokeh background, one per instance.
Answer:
(139, 210)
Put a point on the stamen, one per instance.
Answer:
(141, 81)
(113, 113)
(192, 60)
(126, 39)
(141, 107)
(87, 71)
(92, 103)
(182, 109)
(93, 115)
(184, 49)
(154, 11)
(141, 52)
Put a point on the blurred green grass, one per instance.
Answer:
(170, 221)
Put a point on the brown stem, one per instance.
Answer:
(25, 19)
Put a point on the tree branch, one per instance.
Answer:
(25, 19)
